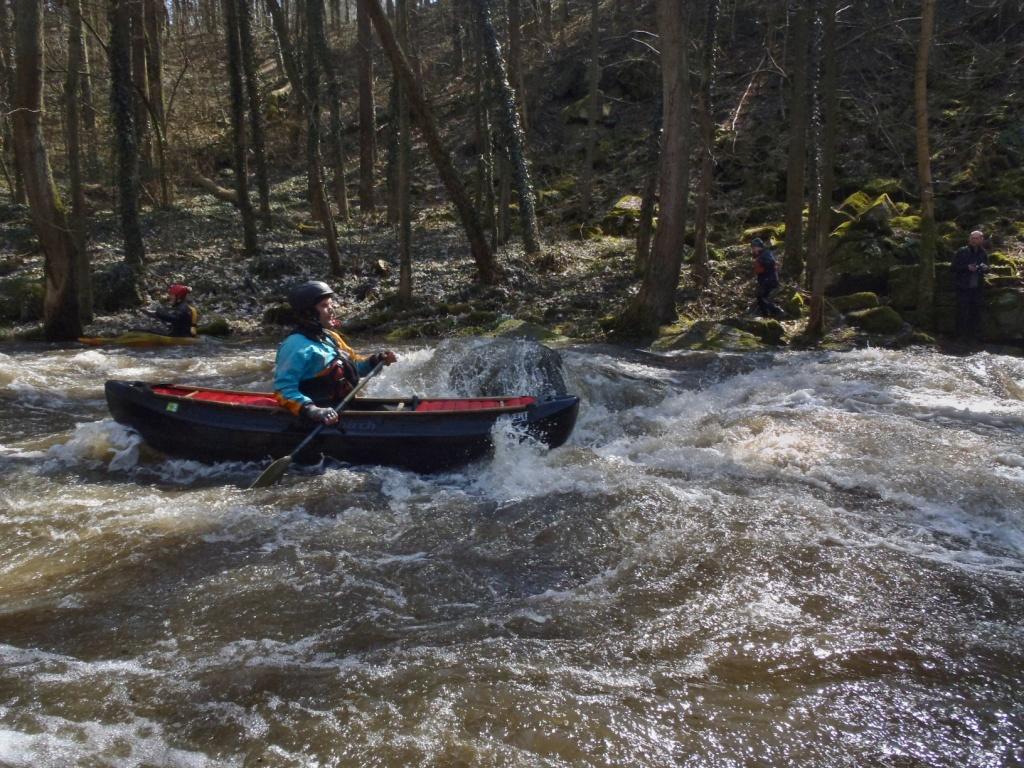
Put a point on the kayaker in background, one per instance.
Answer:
(181, 316)
(315, 366)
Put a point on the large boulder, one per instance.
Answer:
(1002, 318)
(855, 301)
(879, 320)
(490, 367)
(623, 218)
(767, 330)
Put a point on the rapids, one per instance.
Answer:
(802, 559)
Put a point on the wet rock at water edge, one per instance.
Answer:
(489, 367)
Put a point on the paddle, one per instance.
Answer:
(276, 470)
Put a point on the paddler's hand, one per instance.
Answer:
(387, 357)
(323, 415)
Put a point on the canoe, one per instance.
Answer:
(421, 434)
(139, 339)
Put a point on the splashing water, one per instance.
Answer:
(804, 559)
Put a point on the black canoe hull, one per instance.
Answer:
(369, 432)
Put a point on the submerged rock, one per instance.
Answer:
(489, 367)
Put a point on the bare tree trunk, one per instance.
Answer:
(587, 183)
(252, 89)
(7, 103)
(141, 82)
(291, 62)
(825, 143)
(515, 58)
(61, 316)
(72, 94)
(796, 168)
(404, 157)
(92, 155)
(488, 271)
(154, 12)
(122, 109)
(337, 148)
(654, 304)
(231, 24)
(514, 138)
(318, 192)
(926, 279)
(700, 271)
(367, 121)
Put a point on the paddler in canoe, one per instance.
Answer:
(315, 366)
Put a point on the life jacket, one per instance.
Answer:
(330, 385)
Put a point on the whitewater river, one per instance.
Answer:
(808, 559)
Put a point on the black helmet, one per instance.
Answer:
(307, 295)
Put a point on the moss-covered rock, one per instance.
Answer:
(879, 320)
(215, 325)
(855, 301)
(1002, 318)
(903, 285)
(520, 329)
(623, 218)
(906, 223)
(767, 330)
(791, 300)
(708, 335)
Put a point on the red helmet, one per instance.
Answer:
(179, 291)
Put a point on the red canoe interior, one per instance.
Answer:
(265, 400)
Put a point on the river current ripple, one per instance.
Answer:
(806, 559)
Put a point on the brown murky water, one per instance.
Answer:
(806, 560)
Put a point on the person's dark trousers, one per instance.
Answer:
(968, 313)
(765, 305)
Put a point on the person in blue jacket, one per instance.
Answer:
(315, 366)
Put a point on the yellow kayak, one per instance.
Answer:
(139, 339)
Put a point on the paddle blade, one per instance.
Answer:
(273, 473)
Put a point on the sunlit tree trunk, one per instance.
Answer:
(140, 80)
(337, 148)
(654, 304)
(594, 71)
(154, 12)
(796, 167)
(317, 188)
(255, 98)
(61, 315)
(700, 271)
(827, 101)
(515, 58)
(367, 121)
(72, 96)
(240, 143)
(404, 157)
(488, 271)
(511, 129)
(14, 179)
(122, 112)
(926, 279)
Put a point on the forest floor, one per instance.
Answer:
(572, 289)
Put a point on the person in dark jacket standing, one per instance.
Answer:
(969, 266)
(767, 274)
(181, 316)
